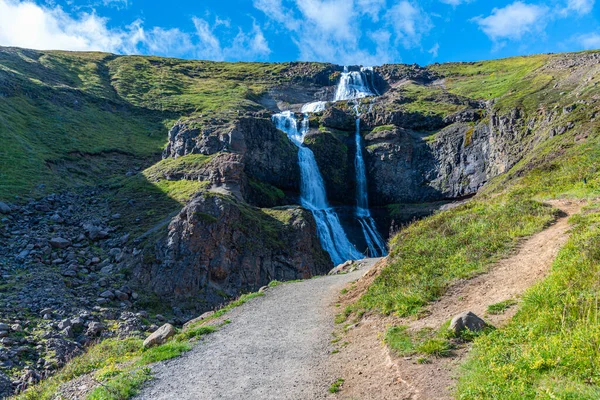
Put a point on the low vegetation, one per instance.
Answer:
(119, 366)
(500, 308)
(550, 348)
(336, 386)
(427, 256)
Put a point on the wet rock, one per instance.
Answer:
(160, 336)
(4, 327)
(59, 243)
(467, 321)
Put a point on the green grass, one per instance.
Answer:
(185, 167)
(488, 79)
(500, 308)
(550, 349)
(266, 195)
(425, 342)
(120, 364)
(123, 386)
(58, 106)
(383, 128)
(336, 386)
(427, 256)
(398, 339)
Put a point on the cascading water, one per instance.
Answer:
(356, 85)
(312, 192)
(375, 242)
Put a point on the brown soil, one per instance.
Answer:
(369, 369)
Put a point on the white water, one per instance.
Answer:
(317, 106)
(356, 85)
(312, 192)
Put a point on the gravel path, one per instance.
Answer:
(275, 347)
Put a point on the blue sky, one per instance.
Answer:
(367, 32)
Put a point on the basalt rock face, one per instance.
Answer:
(408, 166)
(248, 146)
(218, 246)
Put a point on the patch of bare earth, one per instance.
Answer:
(371, 371)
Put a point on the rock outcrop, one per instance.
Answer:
(219, 245)
(250, 144)
(408, 166)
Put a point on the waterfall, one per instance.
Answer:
(356, 85)
(312, 192)
(375, 242)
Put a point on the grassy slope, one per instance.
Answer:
(56, 105)
(81, 119)
(550, 349)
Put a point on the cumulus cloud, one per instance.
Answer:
(513, 21)
(590, 41)
(409, 23)
(27, 24)
(333, 30)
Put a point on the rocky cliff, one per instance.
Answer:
(218, 245)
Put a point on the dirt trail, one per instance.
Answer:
(276, 347)
(372, 373)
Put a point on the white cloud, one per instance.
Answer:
(513, 21)
(118, 4)
(454, 2)
(580, 7)
(590, 41)
(409, 23)
(434, 50)
(27, 24)
(334, 30)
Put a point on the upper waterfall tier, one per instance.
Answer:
(355, 84)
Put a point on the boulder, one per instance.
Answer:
(107, 294)
(160, 336)
(59, 243)
(4, 208)
(467, 321)
(95, 328)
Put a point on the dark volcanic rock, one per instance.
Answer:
(338, 119)
(408, 166)
(218, 245)
(249, 147)
(5, 386)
